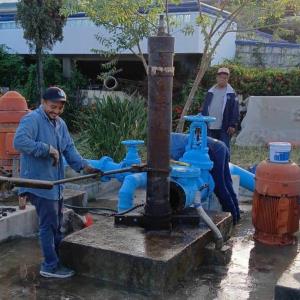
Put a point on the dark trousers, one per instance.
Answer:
(221, 135)
(50, 219)
(220, 172)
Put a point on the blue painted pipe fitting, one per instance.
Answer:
(106, 163)
(196, 152)
(129, 186)
(184, 185)
(247, 179)
(132, 155)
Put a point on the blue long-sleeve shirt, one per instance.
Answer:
(35, 134)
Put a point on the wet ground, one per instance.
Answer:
(251, 274)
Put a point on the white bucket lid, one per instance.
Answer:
(281, 145)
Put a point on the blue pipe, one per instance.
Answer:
(246, 178)
(128, 188)
(106, 163)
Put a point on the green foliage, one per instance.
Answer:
(52, 71)
(257, 81)
(127, 22)
(72, 88)
(41, 21)
(178, 103)
(43, 27)
(29, 90)
(122, 19)
(110, 121)
(53, 77)
(246, 81)
(12, 69)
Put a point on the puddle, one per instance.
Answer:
(251, 274)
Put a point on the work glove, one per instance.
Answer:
(54, 154)
(90, 170)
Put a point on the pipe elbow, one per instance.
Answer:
(127, 191)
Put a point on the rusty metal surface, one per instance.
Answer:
(160, 85)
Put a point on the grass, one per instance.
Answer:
(246, 157)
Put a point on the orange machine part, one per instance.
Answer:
(275, 179)
(275, 212)
(13, 107)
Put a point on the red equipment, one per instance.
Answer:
(13, 107)
(275, 212)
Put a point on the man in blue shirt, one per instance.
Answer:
(220, 102)
(43, 140)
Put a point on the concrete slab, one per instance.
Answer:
(75, 197)
(288, 285)
(260, 125)
(19, 223)
(24, 223)
(152, 262)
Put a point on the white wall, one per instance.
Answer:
(79, 38)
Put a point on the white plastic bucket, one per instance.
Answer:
(280, 152)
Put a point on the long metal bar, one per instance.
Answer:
(48, 185)
(32, 183)
(112, 172)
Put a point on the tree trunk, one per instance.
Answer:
(190, 99)
(40, 72)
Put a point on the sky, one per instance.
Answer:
(7, 1)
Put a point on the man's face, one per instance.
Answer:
(53, 109)
(222, 79)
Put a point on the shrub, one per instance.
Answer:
(53, 76)
(110, 121)
(259, 82)
(12, 69)
(178, 103)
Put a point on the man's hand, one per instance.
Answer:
(54, 154)
(231, 131)
(90, 170)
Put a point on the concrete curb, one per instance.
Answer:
(22, 223)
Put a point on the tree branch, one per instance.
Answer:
(231, 17)
(212, 30)
(141, 56)
(167, 16)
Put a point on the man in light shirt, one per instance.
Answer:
(221, 102)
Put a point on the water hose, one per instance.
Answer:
(94, 210)
(217, 233)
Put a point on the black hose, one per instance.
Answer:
(129, 210)
(95, 210)
(90, 208)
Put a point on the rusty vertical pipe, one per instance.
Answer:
(160, 85)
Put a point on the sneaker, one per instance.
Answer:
(59, 272)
